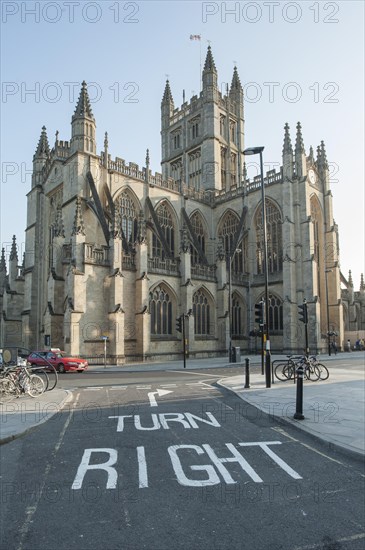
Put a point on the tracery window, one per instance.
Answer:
(195, 169)
(198, 228)
(275, 313)
(176, 170)
(166, 223)
(128, 216)
(227, 234)
(236, 316)
(223, 167)
(274, 239)
(161, 312)
(201, 311)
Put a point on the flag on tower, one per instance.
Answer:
(195, 37)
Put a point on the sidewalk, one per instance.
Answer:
(22, 415)
(333, 409)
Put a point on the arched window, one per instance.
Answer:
(275, 313)
(227, 234)
(167, 226)
(201, 310)
(274, 238)
(161, 312)
(128, 216)
(198, 228)
(237, 316)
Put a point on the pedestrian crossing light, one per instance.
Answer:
(179, 324)
(259, 313)
(303, 313)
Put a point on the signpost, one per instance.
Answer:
(105, 338)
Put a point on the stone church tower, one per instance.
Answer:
(113, 250)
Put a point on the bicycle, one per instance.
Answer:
(287, 371)
(18, 380)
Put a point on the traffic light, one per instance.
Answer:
(179, 324)
(260, 313)
(303, 313)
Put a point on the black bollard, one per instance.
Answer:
(247, 381)
(299, 403)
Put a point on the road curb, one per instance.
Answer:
(296, 424)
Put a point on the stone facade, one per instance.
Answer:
(115, 250)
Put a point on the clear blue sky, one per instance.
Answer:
(298, 61)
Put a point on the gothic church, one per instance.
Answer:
(114, 250)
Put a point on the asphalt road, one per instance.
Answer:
(165, 460)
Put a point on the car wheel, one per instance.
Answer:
(61, 368)
(80, 370)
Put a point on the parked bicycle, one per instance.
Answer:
(15, 381)
(313, 370)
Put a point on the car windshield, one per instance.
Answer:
(60, 354)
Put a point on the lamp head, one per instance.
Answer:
(253, 150)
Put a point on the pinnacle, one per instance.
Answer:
(350, 281)
(236, 83)
(2, 261)
(299, 145)
(362, 284)
(167, 96)
(324, 154)
(43, 146)
(209, 64)
(83, 107)
(287, 147)
(14, 251)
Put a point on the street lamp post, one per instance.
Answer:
(230, 260)
(256, 151)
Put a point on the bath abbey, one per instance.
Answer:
(116, 255)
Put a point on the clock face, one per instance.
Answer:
(312, 176)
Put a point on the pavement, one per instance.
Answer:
(333, 409)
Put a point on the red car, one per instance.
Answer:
(59, 359)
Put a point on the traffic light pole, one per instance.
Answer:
(184, 339)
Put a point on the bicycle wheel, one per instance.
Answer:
(41, 372)
(7, 390)
(35, 385)
(323, 371)
(289, 371)
(279, 372)
(312, 373)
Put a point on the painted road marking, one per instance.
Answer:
(94, 388)
(160, 393)
(213, 472)
(118, 387)
(143, 387)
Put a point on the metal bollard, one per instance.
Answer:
(299, 402)
(247, 380)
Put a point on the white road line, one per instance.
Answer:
(31, 510)
(92, 388)
(118, 388)
(143, 387)
(168, 385)
(333, 543)
(283, 432)
(197, 373)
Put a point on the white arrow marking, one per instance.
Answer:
(160, 393)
